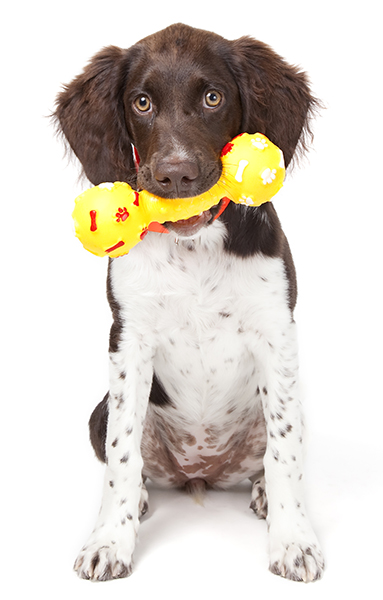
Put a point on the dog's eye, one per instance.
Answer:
(213, 99)
(142, 103)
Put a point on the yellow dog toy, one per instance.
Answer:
(111, 218)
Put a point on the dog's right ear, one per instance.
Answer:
(276, 97)
(90, 114)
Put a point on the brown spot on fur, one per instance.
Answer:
(165, 457)
(190, 440)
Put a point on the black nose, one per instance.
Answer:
(176, 176)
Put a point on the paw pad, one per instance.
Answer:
(268, 176)
(122, 214)
(259, 143)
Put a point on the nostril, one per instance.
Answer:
(165, 181)
(176, 176)
(190, 172)
(187, 180)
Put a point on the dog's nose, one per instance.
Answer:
(176, 176)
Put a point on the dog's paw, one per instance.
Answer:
(259, 499)
(144, 501)
(298, 562)
(105, 559)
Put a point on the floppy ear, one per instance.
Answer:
(90, 114)
(276, 98)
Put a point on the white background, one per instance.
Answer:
(55, 319)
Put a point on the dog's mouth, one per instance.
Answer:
(190, 227)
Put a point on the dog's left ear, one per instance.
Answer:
(276, 97)
(90, 114)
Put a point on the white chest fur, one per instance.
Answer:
(206, 316)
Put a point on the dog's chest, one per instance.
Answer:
(202, 357)
(208, 315)
(213, 315)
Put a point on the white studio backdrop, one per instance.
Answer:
(55, 319)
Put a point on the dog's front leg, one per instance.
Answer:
(294, 548)
(108, 552)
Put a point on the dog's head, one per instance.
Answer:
(179, 96)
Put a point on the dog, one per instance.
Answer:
(203, 352)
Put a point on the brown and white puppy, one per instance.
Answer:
(203, 354)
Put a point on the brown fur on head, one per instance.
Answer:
(175, 69)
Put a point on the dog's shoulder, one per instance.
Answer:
(258, 231)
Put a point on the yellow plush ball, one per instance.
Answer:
(111, 218)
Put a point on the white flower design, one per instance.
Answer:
(106, 186)
(268, 176)
(259, 143)
(246, 200)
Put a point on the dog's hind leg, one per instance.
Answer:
(258, 496)
(98, 424)
(144, 501)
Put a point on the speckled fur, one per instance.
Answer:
(203, 353)
(218, 333)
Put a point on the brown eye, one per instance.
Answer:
(213, 99)
(142, 103)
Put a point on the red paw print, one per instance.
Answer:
(122, 214)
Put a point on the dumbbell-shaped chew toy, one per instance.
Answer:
(111, 218)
